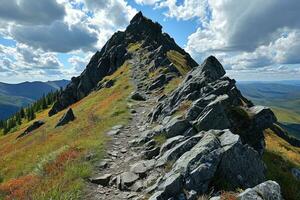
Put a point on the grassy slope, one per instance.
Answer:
(280, 157)
(50, 161)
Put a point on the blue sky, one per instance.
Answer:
(54, 39)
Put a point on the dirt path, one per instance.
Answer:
(120, 154)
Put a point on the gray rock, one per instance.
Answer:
(101, 180)
(177, 126)
(179, 149)
(150, 144)
(158, 82)
(149, 154)
(32, 127)
(216, 155)
(170, 143)
(66, 118)
(137, 96)
(117, 127)
(137, 186)
(126, 179)
(142, 167)
(113, 132)
(213, 118)
(269, 190)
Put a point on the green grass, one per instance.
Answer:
(134, 47)
(160, 139)
(284, 115)
(53, 159)
(172, 85)
(280, 157)
(179, 61)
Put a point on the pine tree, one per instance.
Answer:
(22, 113)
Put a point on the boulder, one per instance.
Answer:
(177, 126)
(101, 180)
(170, 143)
(66, 118)
(217, 155)
(138, 96)
(158, 82)
(31, 128)
(151, 153)
(269, 190)
(179, 149)
(142, 167)
(213, 118)
(126, 179)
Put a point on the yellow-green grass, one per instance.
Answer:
(132, 47)
(55, 157)
(172, 85)
(179, 61)
(285, 115)
(280, 157)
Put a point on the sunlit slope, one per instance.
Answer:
(280, 157)
(50, 162)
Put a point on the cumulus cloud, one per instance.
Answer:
(42, 29)
(58, 37)
(24, 60)
(146, 2)
(31, 11)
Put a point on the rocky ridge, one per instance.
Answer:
(202, 138)
(140, 32)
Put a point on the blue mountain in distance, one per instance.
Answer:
(282, 96)
(15, 96)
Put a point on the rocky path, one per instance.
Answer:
(121, 154)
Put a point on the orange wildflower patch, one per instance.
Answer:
(20, 188)
(57, 166)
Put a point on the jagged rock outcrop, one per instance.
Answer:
(269, 190)
(32, 127)
(218, 139)
(140, 31)
(216, 103)
(217, 156)
(66, 118)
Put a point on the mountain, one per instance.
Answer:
(282, 96)
(145, 121)
(141, 32)
(15, 96)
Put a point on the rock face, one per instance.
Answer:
(34, 126)
(217, 141)
(218, 156)
(269, 190)
(66, 118)
(216, 103)
(115, 52)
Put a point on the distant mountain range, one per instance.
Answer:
(282, 96)
(15, 96)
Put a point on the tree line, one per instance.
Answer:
(29, 113)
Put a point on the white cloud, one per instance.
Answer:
(146, 2)
(74, 27)
(31, 11)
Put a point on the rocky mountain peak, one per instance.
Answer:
(140, 21)
(212, 68)
(142, 36)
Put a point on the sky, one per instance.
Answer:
(55, 39)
